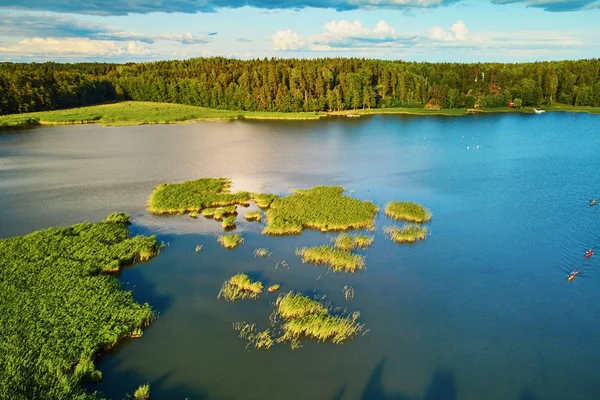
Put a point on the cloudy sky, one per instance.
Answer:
(419, 30)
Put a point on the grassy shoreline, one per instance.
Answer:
(129, 113)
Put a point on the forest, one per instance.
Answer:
(295, 85)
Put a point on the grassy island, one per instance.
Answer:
(59, 308)
(253, 216)
(407, 211)
(240, 287)
(336, 259)
(406, 234)
(323, 207)
(351, 242)
(231, 240)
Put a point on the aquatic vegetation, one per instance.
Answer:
(260, 340)
(253, 216)
(407, 233)
(59, 308)
(199, 248)
(348, 292)
(303, 316)
(231, 240)
(322, 207)
(273, 288)
(180, 198)
(350, 242)
(208, 212)
(224, 211)
(228, 222)
(117, 217)
(336, 259)
(142, 392)
(193, 214)
(407, 211)
(261, 252)
(240, 287)
(264, 200)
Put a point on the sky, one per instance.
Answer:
(412, 30)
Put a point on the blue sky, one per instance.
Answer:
(415, 30)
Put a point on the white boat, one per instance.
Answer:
(539, 111)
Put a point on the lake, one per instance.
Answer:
(480, 310)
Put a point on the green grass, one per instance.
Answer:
(138, 113)
(208, 212)
(253, 216)
(142, 392)
(334, 258)
(273, 288)
(228, 222)
(303, 316)
(261, 252)
(119, 218)
(402, 110)
(196, 195)
(230, 240)
(59, 308)
(407, 211)
(406, 234)
(264, 200)
(224, 211)
(350, 242)
(322, 207)
(240, 287)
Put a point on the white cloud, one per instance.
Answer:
(288, 40)
(458, 32)
(72, 47)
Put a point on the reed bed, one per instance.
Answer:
(230, 240)
(322, 207)
(119, 218)
(264, 200)
(334, 258)
(222, 212)
(406, 234)
(260, 340)
(240, 286)
(261, 252)
(142, 392)
(273, 288)
(351, 242)
(228, 222)
(196, 195)
(60, 308)
(407, 211)
(253, 216)
(208, 212)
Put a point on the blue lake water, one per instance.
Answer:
(480, 310)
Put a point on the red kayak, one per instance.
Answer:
(589, 253)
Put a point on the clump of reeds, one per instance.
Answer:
(323, 207)
(264, 200)
(240, 287)
(261, 252)
(407, 211)
(224, 211)
(296, 305)
(228, 222)
(253, 216)
(208, 212)
(261, 340)
(348, 292)
(198, 248)
(273, 288)
(193, 214)
(118, 218)
(142, 392)
(230, 240)
(406, 234)
(336, 259)
(350, 242)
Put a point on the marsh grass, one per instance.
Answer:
(230, 240)
(199, 248)
(208, 212)
(118, 218)
(253, 216)
(222, 212)
(273, 288)
(348, 292)
(264, 200)
(262, 340)
(407, 211)
(240, 287)
(193, 214)
(142, 392)
(349, 242)
(228, 222)
(406, 234)
(323, 207)
(334, 258)
(261, 252)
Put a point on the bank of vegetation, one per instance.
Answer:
(61, 306)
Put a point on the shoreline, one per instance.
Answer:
(131, 113)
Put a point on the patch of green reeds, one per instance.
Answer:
(228, 222)
(261, 252)
(350, 242)
(179, 198)
(230, 240)
(303, 316)
(336, 259)
(253, 216)
(59, 309)
(407, 211)
(264, 200)
(240, 287)
(119, 218)
(273, 288)
(224, 211)
(142, 392)
(406, 234)
(208, 212)
(260, 340)
(322, 207)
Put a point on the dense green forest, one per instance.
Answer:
(299, 85)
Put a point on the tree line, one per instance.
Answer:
(290, 85)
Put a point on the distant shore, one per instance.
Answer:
(140, 113)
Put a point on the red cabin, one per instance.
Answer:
(510, 104)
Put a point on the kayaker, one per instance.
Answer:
(572, 275)
(593, 203)
(589, 253)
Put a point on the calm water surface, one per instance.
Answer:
(480, 310)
